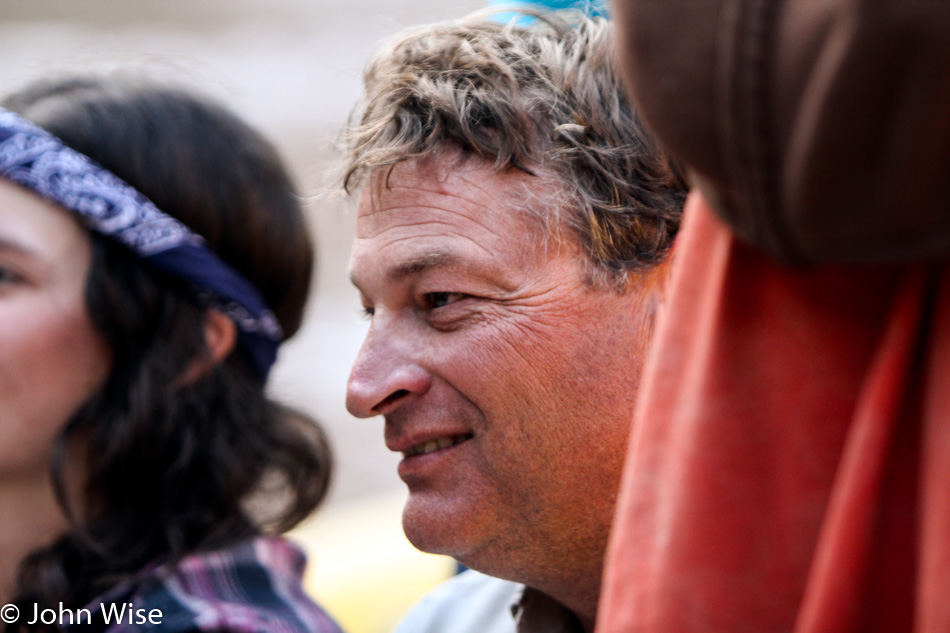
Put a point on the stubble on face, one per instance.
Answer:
(537, 365)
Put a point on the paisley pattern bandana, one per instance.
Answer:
(33, 158)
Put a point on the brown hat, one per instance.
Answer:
(818, 129)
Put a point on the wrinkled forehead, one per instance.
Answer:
(464, 190)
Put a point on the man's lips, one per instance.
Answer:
(430, 446)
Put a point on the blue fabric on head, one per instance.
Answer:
(33, 158)
(591, 8)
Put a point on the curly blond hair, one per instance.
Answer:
(545, 99)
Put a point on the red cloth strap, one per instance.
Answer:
(790, 462)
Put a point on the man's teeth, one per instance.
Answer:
(434, 445)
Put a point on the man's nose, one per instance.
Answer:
(385, 376)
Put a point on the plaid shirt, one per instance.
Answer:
(253, 587)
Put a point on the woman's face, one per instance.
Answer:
(51, 358)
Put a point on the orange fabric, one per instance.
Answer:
(790, 463)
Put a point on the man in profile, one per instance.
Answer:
(512, 229)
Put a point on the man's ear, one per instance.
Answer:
(220, 338)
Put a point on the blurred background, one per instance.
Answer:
(292, 69)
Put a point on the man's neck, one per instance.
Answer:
(537, 611)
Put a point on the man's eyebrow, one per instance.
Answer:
(421, 263)
(416, 265)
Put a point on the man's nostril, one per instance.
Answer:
(388, 400)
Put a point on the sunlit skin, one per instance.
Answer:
(52, 361)
(486, 334)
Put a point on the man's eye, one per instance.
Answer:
(440, 299)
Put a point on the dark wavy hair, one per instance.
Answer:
(173, 468)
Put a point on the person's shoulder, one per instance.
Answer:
(252, 587)
(470, 602)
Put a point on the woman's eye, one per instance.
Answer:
(8, 276)
(441, 299)
(367, 313)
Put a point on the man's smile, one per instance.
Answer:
(437, 444)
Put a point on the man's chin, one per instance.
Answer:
(432, 526)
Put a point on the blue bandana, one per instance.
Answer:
(33, 158)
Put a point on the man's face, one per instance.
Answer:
(506, 381)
